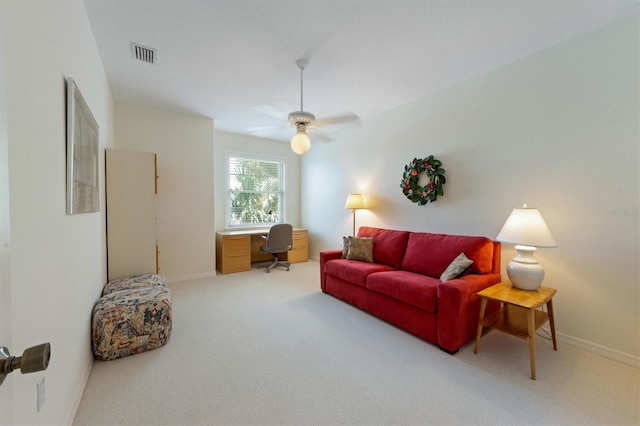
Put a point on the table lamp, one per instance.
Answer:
(526, 228)
(354, 201)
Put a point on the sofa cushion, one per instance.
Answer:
(353, 271)
(414, 289)
(430, 254)
(389, 245)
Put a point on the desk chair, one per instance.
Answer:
(279, 240)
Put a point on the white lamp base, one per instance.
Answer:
(524, 271)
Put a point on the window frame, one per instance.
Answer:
(229, 154)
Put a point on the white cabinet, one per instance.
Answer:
(131, 186)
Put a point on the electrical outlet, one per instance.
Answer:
(40, 393)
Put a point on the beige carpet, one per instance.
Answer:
(258, 348)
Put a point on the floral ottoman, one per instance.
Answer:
(129, 321)
(136, 281)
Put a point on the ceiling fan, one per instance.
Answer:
(303, 120)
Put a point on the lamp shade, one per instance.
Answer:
(300, 143)
(354, 201)
(525, 226)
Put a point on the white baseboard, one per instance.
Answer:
(181, 278)
(613, 354)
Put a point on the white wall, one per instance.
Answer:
(183, 143)
(57, 261)
(559, 131)
(225, 141)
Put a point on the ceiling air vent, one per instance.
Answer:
(142, 53)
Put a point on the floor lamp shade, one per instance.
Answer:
(526, 228)
(354, 202)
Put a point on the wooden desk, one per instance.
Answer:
(236, 250)
(518, 315)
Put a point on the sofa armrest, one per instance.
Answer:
(459, 309)
(326, 256)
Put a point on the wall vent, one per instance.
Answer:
(143, 53)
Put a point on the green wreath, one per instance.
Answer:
(412, 171)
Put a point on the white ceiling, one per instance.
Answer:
(231, 59)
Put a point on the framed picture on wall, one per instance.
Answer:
(83, 191)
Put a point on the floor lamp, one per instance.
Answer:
(354, 202)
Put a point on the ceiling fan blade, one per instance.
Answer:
(319, 136)
(278, 111)
(268, 131)
(349, 119)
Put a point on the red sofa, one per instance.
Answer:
(402, 285)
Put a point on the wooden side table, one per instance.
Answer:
(518, 315)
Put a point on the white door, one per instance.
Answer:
(131, 213)
(6, 389)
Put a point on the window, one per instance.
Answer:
(255, 190)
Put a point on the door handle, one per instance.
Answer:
(35, 358)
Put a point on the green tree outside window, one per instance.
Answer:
(256, 191)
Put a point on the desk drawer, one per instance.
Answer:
(233, 244)
(233, 253)
(236, 263)
(300, 250)
(298, 254)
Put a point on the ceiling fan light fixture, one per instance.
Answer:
(302, 117)
(300, 142)
(303, 120)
